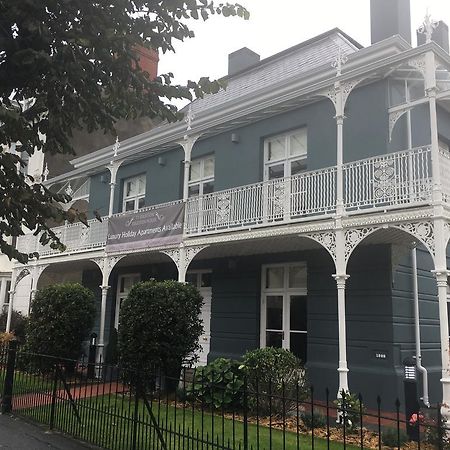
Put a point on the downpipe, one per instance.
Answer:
(418, 356)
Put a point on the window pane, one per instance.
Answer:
(191, 278)
(298, 143)
(276, 149)
(299, 345)
(299, 315)
(195, 170)
(274, 339)
(129, 205)
(130, 188)
(208, 170)
(298, 276)
(141, 183)
(274, 312)
(141, 202)
(206, 279)
(298, 166)
(276, 171)
(194, 190)
(274, 277)
(208, 187)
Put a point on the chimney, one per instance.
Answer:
(148, 61)
(440, 36)
(390, 17)
(242, 59)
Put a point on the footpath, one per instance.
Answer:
(16, 434)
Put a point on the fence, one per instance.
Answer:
(199, 410)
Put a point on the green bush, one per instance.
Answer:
(275, 379)
(318, 420)
(160, 326)
(390, 437)
(61, 317)
(219, 384)
(18, 324)
(349, 408)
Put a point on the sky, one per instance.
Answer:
(274, 26)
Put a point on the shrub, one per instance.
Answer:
(219, 384)
(160, 326)
(18, 324)
(349, 406)
(390, 437)
(276, 377)
(318, 420)
(60, 319)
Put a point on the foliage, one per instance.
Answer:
(349, 407)
(437, 434)
(5, 337)
(73, 64)
(219, 384)
(317, 420)
(61, 317)
(276, 377)
(18, 324)
(391, 437)
(159, 327)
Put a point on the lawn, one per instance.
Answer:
(25, 383)
(106, 421)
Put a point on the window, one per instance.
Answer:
(124, 285)
(285, 155)
(134, 193)
(201, 176)
(284, 318)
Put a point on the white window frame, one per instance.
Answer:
(287, 159)
(286, 293)
(136, 197)
(120, 296)
(198, 274)
(202, 180)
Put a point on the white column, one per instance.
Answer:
(10, 310)
(3, 282)
(182, 265)
(340, 161)
(101, 339)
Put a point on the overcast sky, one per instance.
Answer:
(275, 25)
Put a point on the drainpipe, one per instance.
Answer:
(419, 366)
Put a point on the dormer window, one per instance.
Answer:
(285, 155)
(133, 193)
(201, 176)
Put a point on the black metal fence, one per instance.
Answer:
(117, 409)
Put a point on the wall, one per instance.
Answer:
(365, 134)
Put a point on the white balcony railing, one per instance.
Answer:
(396, 180)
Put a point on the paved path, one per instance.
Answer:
(15, 434)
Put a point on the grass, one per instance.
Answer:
(107, 421)
(25, 383)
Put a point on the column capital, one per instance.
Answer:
(441, 276)
(104, 288)
(341, 279)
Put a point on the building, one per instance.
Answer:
(292, 199)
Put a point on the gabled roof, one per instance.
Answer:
(290, 63)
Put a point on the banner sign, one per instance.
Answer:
(146, 229)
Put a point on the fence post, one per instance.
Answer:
(245, 414)
(53, 404)
(9, 378)
(136, 412)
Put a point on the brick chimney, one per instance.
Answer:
(148, 61)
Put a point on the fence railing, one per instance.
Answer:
(123, 409)
(395, 180)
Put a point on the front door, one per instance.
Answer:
(202, 281)
(284, 308)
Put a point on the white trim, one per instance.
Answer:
(202, 179)
(120, 295)
(136, 197)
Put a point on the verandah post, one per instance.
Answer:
(7, 396)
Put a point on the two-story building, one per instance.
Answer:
(293, 199)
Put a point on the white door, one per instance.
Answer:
(202, 281)
(124, 285)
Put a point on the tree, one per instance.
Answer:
(159, 327)
(71, 64)
(60, 319)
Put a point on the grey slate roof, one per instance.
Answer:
(281, 67)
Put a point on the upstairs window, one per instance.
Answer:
(285, 155)
(133, 193)
(201, 176)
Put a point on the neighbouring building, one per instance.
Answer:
(293, 200)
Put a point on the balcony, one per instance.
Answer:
(394, 181)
